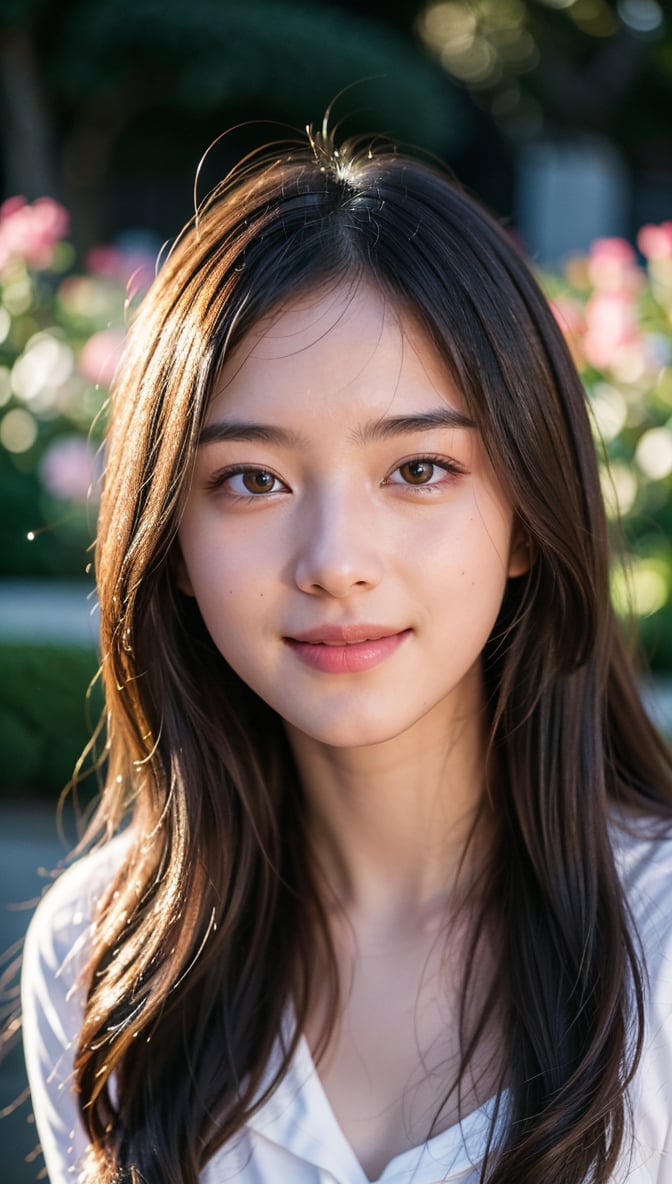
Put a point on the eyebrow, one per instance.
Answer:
(374, 430)
(228, 429)
(397, 425)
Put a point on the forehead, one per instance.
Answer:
(332, 347)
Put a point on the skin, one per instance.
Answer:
(346, 516)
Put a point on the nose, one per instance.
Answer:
(338, 551)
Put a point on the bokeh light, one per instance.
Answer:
(67, 469)
(654, 453)
(5, 385)
(594, 17)
(619, 489)
(641, 588)
(17, 294)
(481, 44)
(46, 363)
(18, 430)
(610, 411)
(642, 16)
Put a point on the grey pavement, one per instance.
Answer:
(48, 610)
(30, 848)
(657, 695)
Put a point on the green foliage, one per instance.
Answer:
(39, 536)
(583, 64)
(616, 313)
(265, 60)
(46, 715)
(19, 13)
(617, 317)
(59, 337)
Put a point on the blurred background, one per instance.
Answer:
(556, 113)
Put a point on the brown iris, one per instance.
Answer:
(417, 472)
(258, 480)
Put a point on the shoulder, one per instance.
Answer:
(58, 930)
(644, 861)
(52, 1001)
(643, 855)
(55, 950)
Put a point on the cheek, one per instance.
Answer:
(226, 578)
(208, 561)
(491, 534)
(471, 570)
(201, 570)
(475, 544)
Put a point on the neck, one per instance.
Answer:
(397, 827)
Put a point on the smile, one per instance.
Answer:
(345, 649)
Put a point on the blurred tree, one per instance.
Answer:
(535, 65)
(561, 70)
(28, 163)
(110, 102)
(99, 71)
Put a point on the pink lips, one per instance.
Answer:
(345, 649)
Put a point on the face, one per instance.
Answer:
(344, 537)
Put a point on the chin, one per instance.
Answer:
(353, 732)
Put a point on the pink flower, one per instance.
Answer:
(31, 232)
(11, 206)
(67, 469)
(570, 317)
(612, 248)
(611, 323)
(568, 313)
(100, 356)
(106, 261)
(135, 267)
(655, 242)
(612, 265)
(51, 221)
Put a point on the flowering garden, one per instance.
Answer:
(616, 312)
(61, 332)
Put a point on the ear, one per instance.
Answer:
(521, 552)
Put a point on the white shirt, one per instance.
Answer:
(295, 1138)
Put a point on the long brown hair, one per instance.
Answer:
(216, 914)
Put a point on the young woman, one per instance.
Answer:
(393, 900)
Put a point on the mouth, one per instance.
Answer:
(340, 635)
(346, 649)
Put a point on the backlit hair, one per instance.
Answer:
(216, 923)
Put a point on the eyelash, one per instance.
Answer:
(449, 468)
(218, 480)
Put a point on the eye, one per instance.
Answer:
(419, 472)
(256, 480)
(244, 481)
(423, 470)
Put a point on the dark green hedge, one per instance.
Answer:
(46, 717)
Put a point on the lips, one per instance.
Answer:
(343, 634)
(346, 649)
